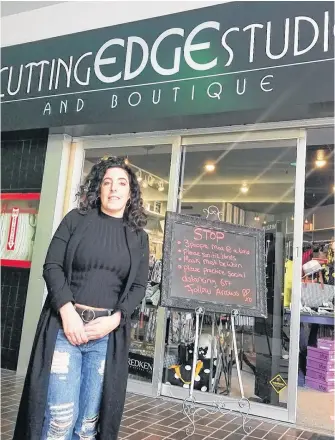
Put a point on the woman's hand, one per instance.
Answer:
(100, 327)
(73, 325)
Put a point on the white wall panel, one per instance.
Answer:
(71, 17)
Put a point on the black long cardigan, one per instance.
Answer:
(57, 274)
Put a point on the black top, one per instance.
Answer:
(101, 263)
(57, 273)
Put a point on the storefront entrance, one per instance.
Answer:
(249, 179)
(253, 178)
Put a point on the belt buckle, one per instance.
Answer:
(87, 315)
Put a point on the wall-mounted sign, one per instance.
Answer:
(215, 265)
(229, 57)
(140, 365)
(278, 383)
(11, 240)
(18, 221)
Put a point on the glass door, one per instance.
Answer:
(150, 159)
(253, 179)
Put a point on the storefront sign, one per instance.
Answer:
(13, 229)
(140, 365)
(215, 265)
(230, 57)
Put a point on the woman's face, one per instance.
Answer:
(115, 192)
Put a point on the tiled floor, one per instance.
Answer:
(158, 419)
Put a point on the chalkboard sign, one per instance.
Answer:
(218, 266)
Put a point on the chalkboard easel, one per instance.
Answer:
(217, 266)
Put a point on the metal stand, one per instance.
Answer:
(191, 408)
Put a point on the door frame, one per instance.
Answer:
(249, 133)
(298, 136)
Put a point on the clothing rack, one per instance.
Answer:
(289, 249)
(317, 241)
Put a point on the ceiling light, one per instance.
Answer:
(244, 188)
(320, 161)
(210, 167)
(126, 161)
(151, 181)
(139, 176)
(145, 184)
(292, 218)
(256, 218)
(264, 222)
(306, 221)
(161, 186)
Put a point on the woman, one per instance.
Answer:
(96, 271)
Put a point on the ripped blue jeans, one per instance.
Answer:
(75, 390)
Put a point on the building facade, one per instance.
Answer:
(247, 88)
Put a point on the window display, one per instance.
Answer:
(18, 220)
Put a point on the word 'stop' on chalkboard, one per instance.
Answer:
(215, 265)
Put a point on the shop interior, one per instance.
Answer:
(249, 184)
(316, 381)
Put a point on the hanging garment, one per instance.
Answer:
(331, 270)
(245, 321)
(288, 282)
(152, 261)
(151, 326)
(156, 274)
(331, 274)
(170, 359)
(306, 257)
(314, 293)
(181, 328)
(152, 294)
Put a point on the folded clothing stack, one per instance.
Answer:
(321, 366)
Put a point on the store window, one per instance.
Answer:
(152, 167)
(251, 184)
(316, 381)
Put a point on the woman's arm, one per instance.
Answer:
(53, 269)
(137, 290)
(61, 297)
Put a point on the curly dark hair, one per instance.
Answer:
(89, 193)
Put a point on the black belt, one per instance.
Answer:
(88, 315)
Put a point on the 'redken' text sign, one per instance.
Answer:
(214, 265)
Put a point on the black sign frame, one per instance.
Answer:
(171, 301)
(71, 80)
